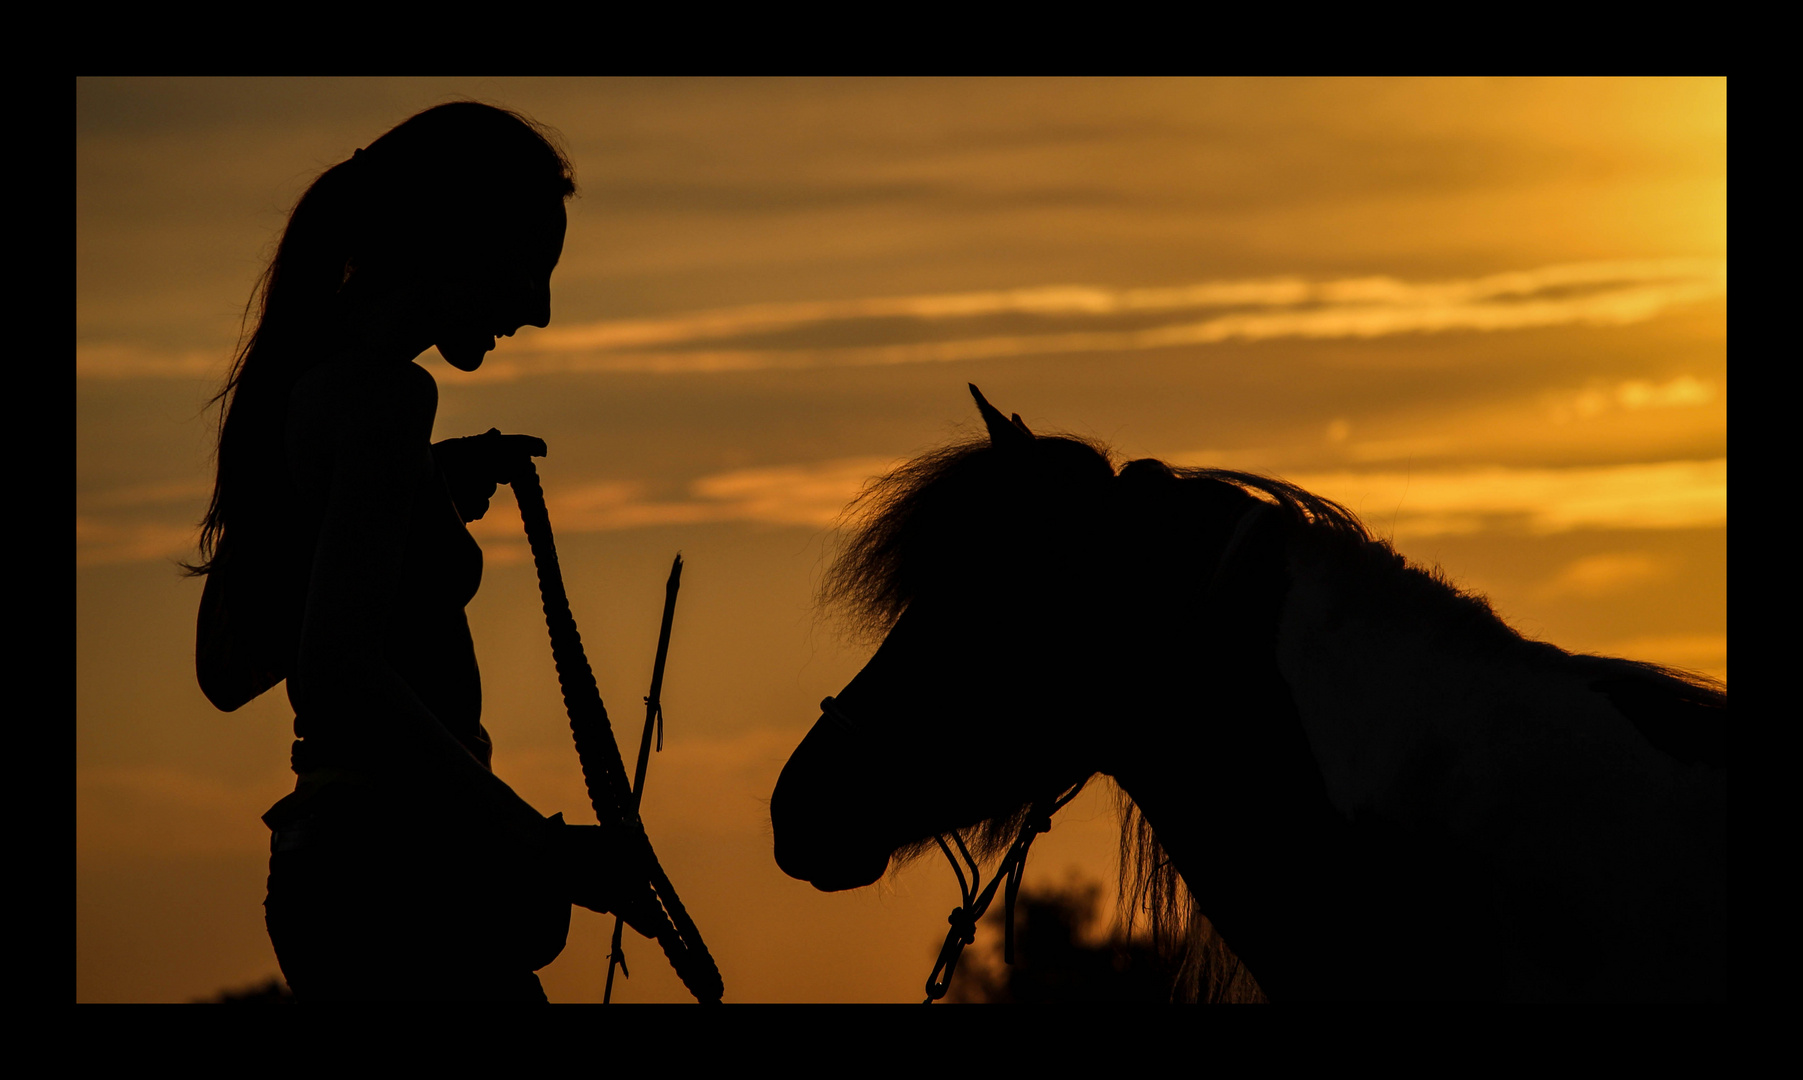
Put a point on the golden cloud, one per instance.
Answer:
(1597, 293)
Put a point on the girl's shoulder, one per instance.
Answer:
(379, 416)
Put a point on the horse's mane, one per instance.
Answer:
(893, 535)
(904, 529)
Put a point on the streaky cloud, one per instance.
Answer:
(1595, 293)
(1081, 300)
(1611, 308)
(1655, 495)
(1541, 501)
(814, 495)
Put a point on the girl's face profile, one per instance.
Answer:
(497, 291)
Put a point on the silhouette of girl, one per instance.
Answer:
(336, 557)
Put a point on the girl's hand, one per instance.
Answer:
(605, 872)
(473, 466)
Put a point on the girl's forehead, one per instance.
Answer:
(533, 233)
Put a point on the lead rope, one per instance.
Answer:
(964, 917)
(603, 771)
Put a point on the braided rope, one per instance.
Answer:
(603, 771)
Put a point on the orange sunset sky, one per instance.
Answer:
(1490, 316)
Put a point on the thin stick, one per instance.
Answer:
(654, 717)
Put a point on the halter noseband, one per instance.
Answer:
(830, 709)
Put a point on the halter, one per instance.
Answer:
(965, 916)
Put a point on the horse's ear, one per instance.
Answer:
(1002, 432)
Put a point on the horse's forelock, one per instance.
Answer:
(915, 522)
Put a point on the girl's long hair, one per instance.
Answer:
(418, 195)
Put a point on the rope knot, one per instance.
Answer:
(964, 924)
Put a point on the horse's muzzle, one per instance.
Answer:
(820, 815)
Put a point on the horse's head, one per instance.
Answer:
(1002, 571)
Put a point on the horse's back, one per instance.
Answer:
(1611, 845)
(1579, 802)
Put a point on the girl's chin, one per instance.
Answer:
(466, 355)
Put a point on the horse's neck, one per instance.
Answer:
(1403, 686)
(1261, 791)
(1224, 775)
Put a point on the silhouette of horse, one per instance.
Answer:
(1356, 777)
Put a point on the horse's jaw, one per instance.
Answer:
(838, 878)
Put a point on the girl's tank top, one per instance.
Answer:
(429, 646)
